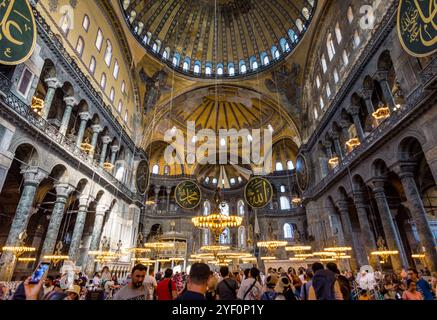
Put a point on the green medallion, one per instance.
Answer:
(258, 192)
(17, 31)
(417, 26)
(188, 194)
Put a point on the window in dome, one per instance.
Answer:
(208, 69)
(265, 58)
(145, 39)
(316, 114)
(206, 208)
(155, 169)
(279, 166)
(92, 65)
(318, 82)
(99, 40)
(112, 95)
(120, 106)
(336, 77)
(80, 46)
(328, 90)
(224, 208)
(125, 116)
(290, 165)
(220, 69)
(253, 63)
(324, 65)
(123, 87)
(311, 2)
(288, 231)
(103, 81)
(240, 180)
(345, 58)
(299, 25)
(116, 69)
(285, 203)
(240, 207)
(338, 33)
(275, 53)
(350, 15)
(282, 188)
(243, 68)
(214, 181)
(284, 45)
(157, 45)
(292, 35)
(186, 65)
(306, 13)
(166, 53)
(86, 22)
(108, 53)
(322, 104)
(132, 16)
(207, 180)
(231, 69)
(232, 181)
(357, 40)
(176, 58)
(330, 46)
(197, 67)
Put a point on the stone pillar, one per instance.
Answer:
(168, 190)
(337, 146)
(355, 113)
(356, 260)
(327, 144)
(406, 174)
(366, 230)
(367, 97)
(392, 237)
(106, 140)
(32, 177)
(95, 238)
(70, 102)
(84, 117)
(345, 132)
(114, 150)
(96, 130)
(84, 202)
(63, 191)
(382, 77)
(157, 189)
(52, 84)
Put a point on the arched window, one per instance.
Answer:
(345, 58)
(65, 22)
(103, 81)
(253, 63)
(112, 94)
(318, 82)
(208, 69)
(116, 69)
(290, 165)
(306, 13)
(293, 36)
(338, 33)
(330, 46)
(206, 208)
(285, 203)
(241, 209)
(282, 189)
(220, 69)
(92, 65)
(242, 237)
(357, 40)
(279, 166)
(275, 53)
(264, 58)
(322, 104)
(324, 65)
(99, 40)
(155, 47)
(214, 181)
(80, 46)
(316, 114)
(186, 65)
(155, 169)
(120, 106)
(225, 237)
(240, 180)
(120, 172)
(288, 231)
(108, 53)
(205, 237)
(350, 15)
(284, 45)
(336, 77)
(224, 208)
(86, 22)
(242, 67)
(166, 53)
(166, 170)
(231, 69)
(125, 116)
(232, 181)
(328, 90)
(197, 67)
(299, 25)
(176, 58)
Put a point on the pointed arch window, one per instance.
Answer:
(155, 169)
(330, 46)
(338, 33)
(279, 166)
(290, 164)
(241, 209)
(288, 231)
(231, 69)
(80, 46)
(242, 237)
(99, 40)
(92, 65)
(108, 53)
(285, 203)
(206, 208)
(103, 81)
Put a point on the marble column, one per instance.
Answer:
(96, 130)
(84, 202)
(356, 260)
(52, 84)
(366, 230)
(344, 124)
(168, 190)
(367, 97)
(63, 191)
(32, 177)
(392, 237)
(382, 77)
(84, 117)
(406, 174)
(114, 150)
(337, 146)
(97, 232)
(105, 140)
(157, 189)
(328, 145)
(355, 113)
(70, 102)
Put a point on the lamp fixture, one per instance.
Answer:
(381, 113)
(37, 105)
(334, 161)
(108, 166)
(86, 146)
(353, 143)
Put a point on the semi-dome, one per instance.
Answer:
(221, 38)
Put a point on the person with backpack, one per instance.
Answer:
(324, 286)
(166, 289)
(342, 281)
(270, 293)
(227, 288)
(251, 288)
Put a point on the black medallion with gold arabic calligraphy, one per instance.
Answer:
(258, 192)
(188, 194)
(302, 173)
(17, 31)
(142, 176)
(417, 26)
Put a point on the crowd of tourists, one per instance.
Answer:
(318, 282)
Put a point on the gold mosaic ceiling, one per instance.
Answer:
(219, 38)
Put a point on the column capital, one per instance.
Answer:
(359, 198)
(157, 189)
(85, 200)
(70, 101)
(106, 139)
(342, 205)
(33, 176)
(381, 75)
(354, 110)
(52, 83)
(115, 148)
(63, 191)
(344, 124)
(101, 208)
(96, 128)
(405, 169)
(85, 116)
(334, 134)
(365, 93)
(168, 189)
(327, 144)
(377, 184)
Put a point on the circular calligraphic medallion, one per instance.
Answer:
(302, 173)
(258, 192)
(17, 32)
(416, 26)
(188, 194)
(142, 176)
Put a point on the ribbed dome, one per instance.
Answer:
(223, 38)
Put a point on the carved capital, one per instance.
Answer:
(96, 128)
(52, 83)
(106, 139)
(115, 148)
(381, 76)
(377, 184)
(365, 94)
(33, 176)
(334, 134)
(84, 116)
(344, 124)
(70, 101)
(354, 110)
(85, 200)
(63, 191)
(101, 209)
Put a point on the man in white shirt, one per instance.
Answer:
(150, 284)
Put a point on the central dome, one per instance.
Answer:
(219, 38)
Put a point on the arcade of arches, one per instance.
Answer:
(88, 117)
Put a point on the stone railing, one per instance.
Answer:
(52, 133)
